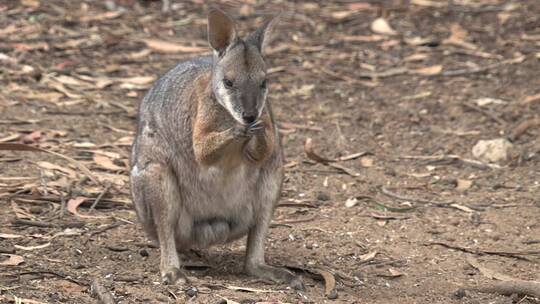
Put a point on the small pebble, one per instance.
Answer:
(323, 196)
(460, 293)
(192, 292)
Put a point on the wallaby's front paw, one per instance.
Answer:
(173, 276)
(242, 131)
(255, 128)
(275, 274)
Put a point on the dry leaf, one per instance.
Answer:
(30, 46)
(463, 184)
(487, 101)
(458, 35)
(72, 81)
(9, 236)
(329, 283)
(364, 258)
(416, 57)
(304, 91)
(366, 161)
(341, 15)
(416, 41)
(68, 287)
(74, 203)
(30, 248)
(429, 3)
(503, 17)
(428, 71)
(171, 47)
(360, 6)
(462, 208)
(389, 43)
(381, 26)
(137, 80)
(351, 156)
(107, 163)
(62, 89)
(103, 16)
(31, 3)
(11, 137)
(140, 54)
(360, 38)
(249, 289)
(351, 202)
(395, 273)
(308, 149)
(531, 99)
(124, 141)
(50, 166)
(13, 260)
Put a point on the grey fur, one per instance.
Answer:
(183, 203)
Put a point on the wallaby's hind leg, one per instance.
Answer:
(254, 262)
(162, 198)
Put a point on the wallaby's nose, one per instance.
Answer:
(248, 118)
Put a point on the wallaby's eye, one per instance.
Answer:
(228, 83)
(263, 84)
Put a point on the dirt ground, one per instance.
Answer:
(395, 93)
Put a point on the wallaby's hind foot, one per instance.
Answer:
(275, 274)
(173, 276)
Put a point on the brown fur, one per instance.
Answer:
(207, 163)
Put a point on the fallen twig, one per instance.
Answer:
(522, 127)
(480, 69)
(297, 205)
(451, 158)
(23, 147)
(57, 274)
(108, 227)
(507, 286)
(513, 254)
(100, 196)
(485, 112)
(530, 288)
(309, 219)
(331, 162)
(40, 224)
(389, 193)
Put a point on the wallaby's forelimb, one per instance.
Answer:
(261, 145)
(209, 146)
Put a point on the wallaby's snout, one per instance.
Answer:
(239, 70)
(249, 118)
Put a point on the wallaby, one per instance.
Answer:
(207, 161)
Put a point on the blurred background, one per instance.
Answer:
(411, 132)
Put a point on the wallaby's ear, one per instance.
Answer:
(264, 34)
(221, 30)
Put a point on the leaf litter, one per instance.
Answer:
(379, 73)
